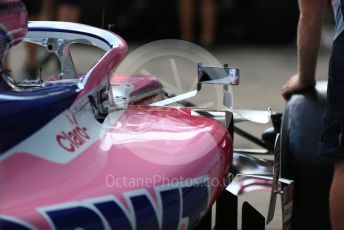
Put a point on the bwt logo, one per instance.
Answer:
(179, 206)
(73, 139)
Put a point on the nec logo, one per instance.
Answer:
(73, 139)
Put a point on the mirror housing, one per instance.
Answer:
(218, 75)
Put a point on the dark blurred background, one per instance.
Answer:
(261, 21)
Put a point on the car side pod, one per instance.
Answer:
(251, 172)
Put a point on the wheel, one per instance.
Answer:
(302, 127)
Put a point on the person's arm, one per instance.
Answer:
(308, 43)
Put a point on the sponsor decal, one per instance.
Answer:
(73, 139)
(7, 222)
(177, 206)
(65, 137)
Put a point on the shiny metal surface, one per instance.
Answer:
(240, 115)
(249, 165)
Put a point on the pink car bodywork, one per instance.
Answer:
(161, 147)
(142, 167)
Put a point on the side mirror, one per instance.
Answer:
(218, 75)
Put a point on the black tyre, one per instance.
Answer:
(301, 161)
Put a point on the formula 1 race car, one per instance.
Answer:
(103, 151)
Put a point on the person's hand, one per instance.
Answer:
(294, 85)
